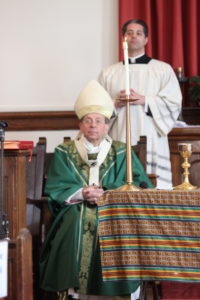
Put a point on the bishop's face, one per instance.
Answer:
(136, 39)
(94, 128)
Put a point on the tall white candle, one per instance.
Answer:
(126, 63)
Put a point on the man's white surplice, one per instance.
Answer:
(158, 83)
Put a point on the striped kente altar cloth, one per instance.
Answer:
(150, 235)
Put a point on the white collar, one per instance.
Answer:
(90, 147)
(133, 58)
(94, 165)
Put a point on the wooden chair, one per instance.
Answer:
(34, 188)
(20, 283)
(46, 219)
(46, 216)
(39, 218)
(35, 194)
(141, 151)
(35, 202)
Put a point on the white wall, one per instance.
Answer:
(50, 49)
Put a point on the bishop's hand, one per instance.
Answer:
(92, 193)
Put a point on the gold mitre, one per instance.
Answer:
(94, 99)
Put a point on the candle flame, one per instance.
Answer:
(125, 44)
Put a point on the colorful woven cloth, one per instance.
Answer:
(150, 235)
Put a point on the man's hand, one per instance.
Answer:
(137, 99)
(92, 193)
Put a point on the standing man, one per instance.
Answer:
(80, 172)
(156, 100)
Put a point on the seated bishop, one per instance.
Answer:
(80, 172)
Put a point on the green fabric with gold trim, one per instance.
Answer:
(71, 253)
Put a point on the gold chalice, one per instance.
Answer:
(185, 151)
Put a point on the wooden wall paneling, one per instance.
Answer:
(191, 115)
(25, 121)
(20, 285)
(15, 189)
(62, 120)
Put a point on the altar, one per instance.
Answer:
(150, 235)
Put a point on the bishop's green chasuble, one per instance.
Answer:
(71, 253)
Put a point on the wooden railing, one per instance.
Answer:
(61, 120)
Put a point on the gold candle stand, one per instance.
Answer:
(129, 177)
(185, 151)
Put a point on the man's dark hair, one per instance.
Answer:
(136, 21)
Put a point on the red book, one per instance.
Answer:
(18, 145)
